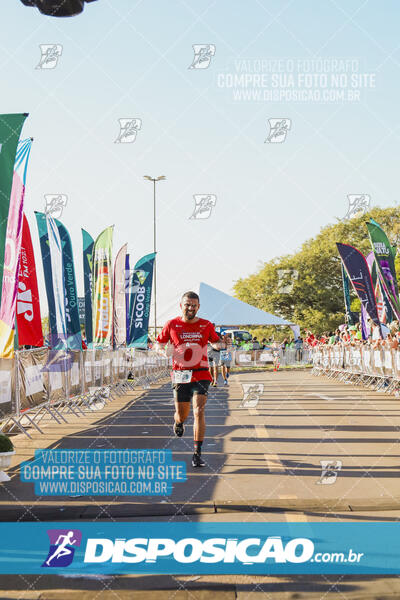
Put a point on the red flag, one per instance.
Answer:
(29, 321)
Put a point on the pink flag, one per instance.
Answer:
(12, 251)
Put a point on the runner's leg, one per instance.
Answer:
(199, 425)
(182, 410)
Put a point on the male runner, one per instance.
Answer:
(191, 378)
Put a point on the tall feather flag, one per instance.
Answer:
(87, 255)
(102, 304)
(29, 322)
(10, 130)
(51, 249)
(139, 310)
(127, 295)
(119, 328)
(358, 272)
(384, 259)
(74, 336)
(12, 251)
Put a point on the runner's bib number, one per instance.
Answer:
(182, 376)
(225, 355)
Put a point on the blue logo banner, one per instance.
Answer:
(200, 548)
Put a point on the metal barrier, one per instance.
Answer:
(378, 368)
(43, 382)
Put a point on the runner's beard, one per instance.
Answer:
(189, 315)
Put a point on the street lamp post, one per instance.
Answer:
(154, 179)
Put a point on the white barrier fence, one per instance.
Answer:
(375, 367)
(261, 358)
(43, 381)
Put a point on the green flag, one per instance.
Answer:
(384, 258)
(10, 130)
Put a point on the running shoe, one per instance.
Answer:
(225, 382)
(179, 429)
(197, 461)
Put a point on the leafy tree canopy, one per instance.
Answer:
(306, 287)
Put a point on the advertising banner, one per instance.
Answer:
(74, 337)
(12, 251)
(384, 259)
(119, 298)
(10, 129)
(29, 321)
(88, 243)
(102, 303)
(142, 282)
(358, 272)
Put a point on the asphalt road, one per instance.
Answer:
(304, 449)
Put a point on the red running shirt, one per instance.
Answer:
(190, 345)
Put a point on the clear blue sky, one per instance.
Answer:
(128, 58)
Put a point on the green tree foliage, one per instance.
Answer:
(315, 298)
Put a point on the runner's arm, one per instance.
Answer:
(161, 345)
(215, 340)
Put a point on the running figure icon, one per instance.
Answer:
(62, 549)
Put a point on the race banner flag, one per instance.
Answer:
(102, 281)
(385, 264)
(54, 282)
(127, 295)
(74, 336)
(48, 278)
(10, 130)
(12, 251)
(119, 298)
(88, 242)
(142, 283)
(57, 270)
(29, 321)
(385, 312)
(358, 272)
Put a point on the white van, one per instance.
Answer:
(238, 335)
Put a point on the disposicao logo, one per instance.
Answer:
(61, 551)
(191, 550)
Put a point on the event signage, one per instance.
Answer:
(384, 258)
(74, 337)
(358, 272)
(139, 309)
(29, 321)
(59, 340)
(102, 304)
(88, 243)
(70, 548)
(119, 328)
(10, 129)
(12, 251)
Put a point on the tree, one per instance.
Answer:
(306, 287)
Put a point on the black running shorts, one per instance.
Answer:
(183, 392)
